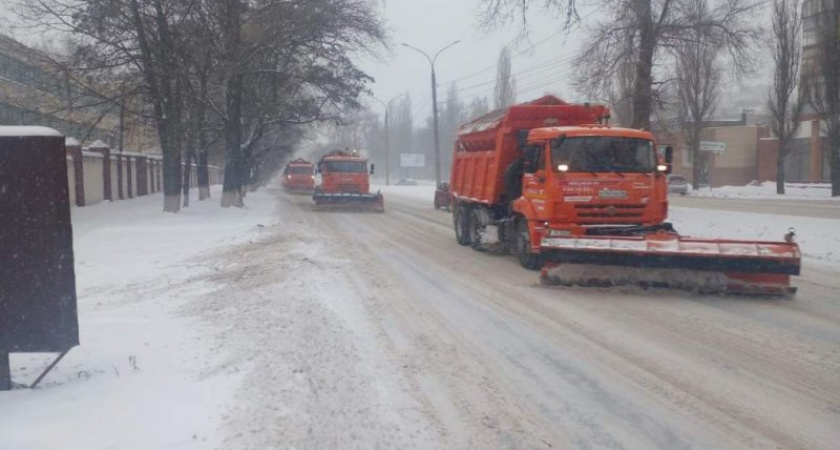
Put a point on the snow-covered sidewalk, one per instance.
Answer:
(767, 191)
(214, 329)
(141, 378)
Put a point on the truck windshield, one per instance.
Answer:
(299, 170)
(344, 166)
(603, 154)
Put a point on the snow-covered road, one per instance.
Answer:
(502, 362)
(341, 330)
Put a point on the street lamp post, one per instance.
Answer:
(387, 106)
(434, 103)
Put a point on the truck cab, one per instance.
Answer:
(596, 175)
(298, 176)
(344, 173)
(345, 181)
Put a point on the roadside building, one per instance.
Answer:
(729, 150)
(36, 91)
(809, 158)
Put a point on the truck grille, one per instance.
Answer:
(610, 211)
(348, 187)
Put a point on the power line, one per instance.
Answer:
(516, 55)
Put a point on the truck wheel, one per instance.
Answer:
(527, 258)
(437, 205)
(476, 229)
(461, 223)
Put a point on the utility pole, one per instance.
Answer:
(387, 106)
(434, 103)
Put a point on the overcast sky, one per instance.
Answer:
(539, 61)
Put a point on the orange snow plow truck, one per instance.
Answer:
(587, 203)
(299, 177)
(345, 182)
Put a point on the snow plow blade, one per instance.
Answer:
(348, 201)
(670, 261)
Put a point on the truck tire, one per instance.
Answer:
(461, 222)
(527, 258)
(476, 228)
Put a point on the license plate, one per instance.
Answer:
(612, 193)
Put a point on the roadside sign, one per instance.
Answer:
(713, 146)
(412, 160)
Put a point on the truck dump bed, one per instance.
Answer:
(488, 145)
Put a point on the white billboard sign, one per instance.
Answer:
(712, 146)
(412, 160)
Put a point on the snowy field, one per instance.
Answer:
(767, 190)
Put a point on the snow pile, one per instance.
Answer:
(426, 193)
(817, 238)
(140, 379)
(767, 190)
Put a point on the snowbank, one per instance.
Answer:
(767, 190)
(818, 238)
(426, 193)
(139, 380)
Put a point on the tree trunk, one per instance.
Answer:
(780, 169)
(203, 176)
(232, 189)
(834, 148)
(171, 167)
(203, 144)
(185, 185)
(642, 88)
(696, 170)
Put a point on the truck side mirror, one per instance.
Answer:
(669, 155)
(372, 168)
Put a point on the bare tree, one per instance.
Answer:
(479, 106)
(787, 55)
(643, 31)
(505, 82)
(452, 117)
(402, 124)
(823, 78)
(620, 93)
(697, 84)
(130, 38)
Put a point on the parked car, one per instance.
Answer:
(406, 182)
(443, 198)
(677, 184)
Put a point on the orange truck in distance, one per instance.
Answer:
(345, 182)
(587, 203)
(298, 177)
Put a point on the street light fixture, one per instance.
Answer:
(434, 102)
(387, 106)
